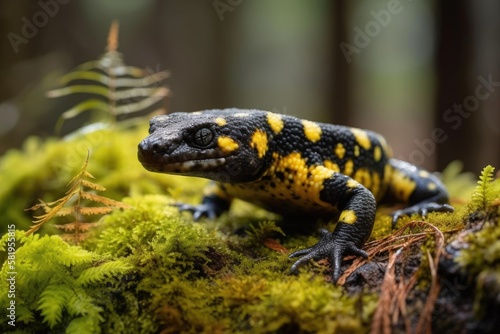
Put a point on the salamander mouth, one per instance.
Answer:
(184, 167)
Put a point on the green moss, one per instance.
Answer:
(480, 257)
(150, 269)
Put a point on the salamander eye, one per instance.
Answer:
(203, 137)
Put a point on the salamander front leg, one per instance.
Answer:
(353, 228)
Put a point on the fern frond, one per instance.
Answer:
(121, 70)
(87, 174)
(120, 89)
(24, 314)
(74, 238)
(65, 212)
(263, 230)
(135, 92)
(483, 193)
(81, 175)
(40, 220)
(103, 200)
(92, 185)
(77, 189)
(52, 302)
(85, 325)
(80, 226)
(41, 204)
(79, 89)
(99, 210)
(85, 75)
(75, 255)
(92, 104)
(80, 303)
(143, 104)
(44, 205)
(142, 81)
(99, 273)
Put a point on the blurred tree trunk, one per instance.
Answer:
(466, 58)
(487, 64)
(340, 95)
(453, 60)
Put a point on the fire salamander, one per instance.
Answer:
(292, 167)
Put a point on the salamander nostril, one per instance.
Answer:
(143, 146)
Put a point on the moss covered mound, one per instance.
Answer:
(150, 269)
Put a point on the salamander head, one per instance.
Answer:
(212, 144)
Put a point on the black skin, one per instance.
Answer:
(196, 144)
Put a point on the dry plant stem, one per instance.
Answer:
(381, 320)
(424, 323)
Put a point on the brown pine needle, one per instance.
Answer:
(381, 320)
(275, 246)
(392, 307)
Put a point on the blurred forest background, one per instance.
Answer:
(425, 74)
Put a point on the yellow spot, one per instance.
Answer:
(196, 113)
(340, 150)
(364, 177)
(331, 165)
(227, 144)
(312, 130)
(348, 217)
(377, 153)
(275, 122)
(356, 150)
(352, 183)
(376, 186)
(423, 173)
(362, 138)
(431, 186)
(349, 167)
(259, 142)
(402, 186)
(220, 121)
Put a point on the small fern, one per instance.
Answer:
(264, 230)
(118, 89)
(52, 301)
(59, 284)
(78, 192)
(483, 194)
(96, 274)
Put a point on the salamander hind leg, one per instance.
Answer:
(422, 191)
(355, 224)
